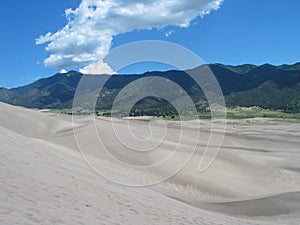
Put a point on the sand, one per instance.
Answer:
(44, 180)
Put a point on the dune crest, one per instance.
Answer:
(254, 180)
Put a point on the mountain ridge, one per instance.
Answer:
(266, 86)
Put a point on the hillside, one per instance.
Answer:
(266, 86)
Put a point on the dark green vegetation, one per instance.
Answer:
(271, 88)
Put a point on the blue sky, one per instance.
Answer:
(240, 31)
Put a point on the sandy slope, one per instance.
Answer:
(43, 180)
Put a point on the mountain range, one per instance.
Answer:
(265, 86)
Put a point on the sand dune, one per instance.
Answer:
(30, 123)
(44, 180)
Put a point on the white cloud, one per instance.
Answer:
(170, 32)
(97, 68)
(63, 71)
(88, 35)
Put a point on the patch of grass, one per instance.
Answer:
(253, 112)
(232, 113)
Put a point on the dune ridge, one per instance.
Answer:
(254, 180)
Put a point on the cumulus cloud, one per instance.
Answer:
(90, 28)
(97, 68)
(63, 71)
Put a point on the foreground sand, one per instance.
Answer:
(43, 179)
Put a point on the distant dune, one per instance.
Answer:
(44, 180)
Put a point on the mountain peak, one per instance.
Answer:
(58, 91)
(240, 69)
